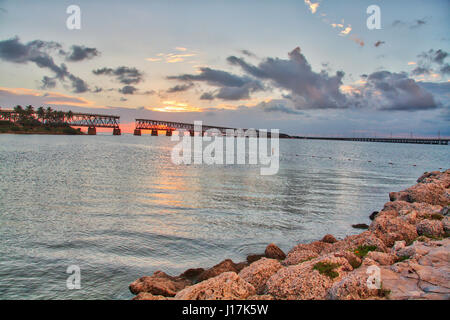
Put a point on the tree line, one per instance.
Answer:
(28, 115)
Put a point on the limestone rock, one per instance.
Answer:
(354, 286)
(299, 256)
(192, 274)
(259, 272)
(329, 238)
(430, 228)
(149, 296)
(226, 286)
(273, 252)
(302, 282)
(261, 297)
(224, 266)
(390, 229)
(159, 284)
(382, 258)
(431, 193)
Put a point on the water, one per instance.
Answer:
(118, 208)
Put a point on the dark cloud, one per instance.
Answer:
(38, 52)
(125, 75)
(231, 87)
(389, 91)
(432, 61)
(180, 88)
(379, 43)
(248, 53)
(128, 90)
(412, 25)
(278, 107)
(308, 89)
(80, 53)
(207, 96)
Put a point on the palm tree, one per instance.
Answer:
(69, 115)
(49, 114)
(29, 112)
(20, 112)
(40, 113)
(60, 116)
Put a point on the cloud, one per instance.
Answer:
(38, 52)
(312, 6)
(125, 75)
(388, 91)
(411, 25)
(231, 87)
(128, 90)
(207, 96)
(308, 89)
(180, 88)
(432, 62)
(80, 53)
(379, 43)
(173, 57)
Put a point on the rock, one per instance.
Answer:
(261, 297)
(149, 296)
(445, 211)
(159, 284)
(302, 282)
(316, 246)
(390, 229)
(329, 238)
(373, 215)
(352, 259)
(299, 256)
(192, 274)
(431, 193)
(254, 257)
(366, 238)
(273, 252)
(426, 275)
(446, 225)
(382, 258)
(226, 286)
(360, 226)
(241, 265)
(353, 287)
(398, 245)
(224, 266)
(430, 228)
(259, 272)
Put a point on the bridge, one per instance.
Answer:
(76, 119)
(440, 141)
(170, 126)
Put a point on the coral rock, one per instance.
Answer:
(225, 266)
(273, 252)
(259, 272)
(226, 286)
(159, 284)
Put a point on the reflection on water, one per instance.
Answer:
(118, 208)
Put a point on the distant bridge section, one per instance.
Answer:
(386, 140)
(170, 126)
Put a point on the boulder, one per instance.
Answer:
(329, 238)
(226, 286)
(354, 286)
(431, 193)
(390, 229)
(373, 215)
(303, 282)
(149, 296)
(273, 252)
(299, 256)
(360, 226)
(430, 228)
(159, 284)
(224, 266)
(382, 258)
(254, 257)
(261, 297)
(259, 272)
(192, 274)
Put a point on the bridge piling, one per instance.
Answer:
(154, 132)
(92, 131)
(116, 132)
(137, 132)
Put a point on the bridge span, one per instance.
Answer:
(170, 126)
(75, 119)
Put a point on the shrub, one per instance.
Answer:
(362, 251)
(327, 269)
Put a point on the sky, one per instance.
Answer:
(306, 67)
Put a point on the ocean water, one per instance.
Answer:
(119, 209)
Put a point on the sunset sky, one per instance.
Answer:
(305, 67)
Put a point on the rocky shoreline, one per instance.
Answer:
(405, 254)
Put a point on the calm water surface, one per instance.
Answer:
(118, 208)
